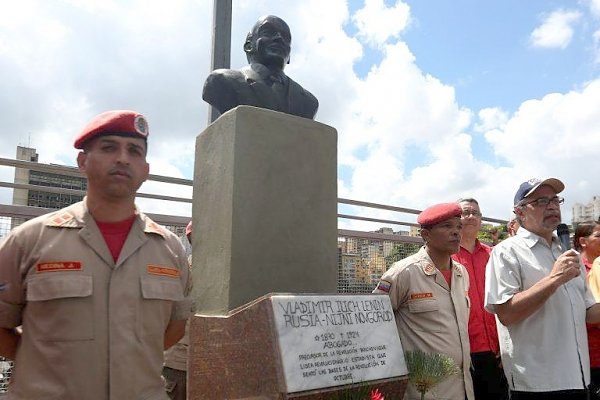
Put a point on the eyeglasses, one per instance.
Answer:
(467, 213)
(545, 201)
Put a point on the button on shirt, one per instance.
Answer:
(547, 351)
(432, 317)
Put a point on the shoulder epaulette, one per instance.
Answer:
(153, 227)
(60, 219)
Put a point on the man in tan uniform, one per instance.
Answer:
(429, 295)
(99, 288)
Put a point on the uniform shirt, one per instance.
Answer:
(432, 318)
(548, 351)
(483, 335)
(92, 328)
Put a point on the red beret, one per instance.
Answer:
(438, 213)
(117, 122)
(188, 229)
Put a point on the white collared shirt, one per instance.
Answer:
(548, 351)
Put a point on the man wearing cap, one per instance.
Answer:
(488, 377)
(538, 292)
(429, 295)
(98, 288)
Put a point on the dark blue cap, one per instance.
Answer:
(529, 187)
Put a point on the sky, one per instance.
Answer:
(432, 100)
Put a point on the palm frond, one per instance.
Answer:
(425, 370)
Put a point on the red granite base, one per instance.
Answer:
(237, 357)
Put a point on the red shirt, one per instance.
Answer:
(447, 273)
(593, 331)
(483, 335)
(115, 234)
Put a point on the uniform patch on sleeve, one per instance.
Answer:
(417, 296)
(58, 266)
(163, 271)
(384, 286)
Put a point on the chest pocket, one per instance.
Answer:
(425, 314)
(60, 306)
(159, 295)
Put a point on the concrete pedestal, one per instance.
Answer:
(264, 212)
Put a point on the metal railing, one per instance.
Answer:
(362, 256)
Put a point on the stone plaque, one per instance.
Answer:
(332, 340)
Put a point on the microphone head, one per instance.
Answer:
(562, 229)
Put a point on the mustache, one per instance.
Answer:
(552, 214)
(121, 170)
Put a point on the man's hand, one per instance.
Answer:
(525, 303)
(566, 267)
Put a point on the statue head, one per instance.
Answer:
(269, 42)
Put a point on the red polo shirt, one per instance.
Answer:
(483, 335)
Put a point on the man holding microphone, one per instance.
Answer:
(538, 292)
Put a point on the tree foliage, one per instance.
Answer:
(400, 251)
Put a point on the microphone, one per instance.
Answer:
(562, 230)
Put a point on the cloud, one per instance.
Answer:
(555, 136)
(556, 31)
(594, 7)
(403, 137)
(377, 23)
(490, 118)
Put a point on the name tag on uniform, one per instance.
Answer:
(417, 296)
(163, 271)
(57, 266)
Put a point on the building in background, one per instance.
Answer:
(586, 212)
(362, 260)
(41, 197)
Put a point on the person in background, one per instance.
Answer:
(175, 368)
(428, 292)
(99, 289)
(512, 226)
(538, 292)
(495, 235)
(488, 378)
(587, 242)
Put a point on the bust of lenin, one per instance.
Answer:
(262, 83)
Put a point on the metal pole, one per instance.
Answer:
(221, 43)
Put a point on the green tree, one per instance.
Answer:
(400, 251)
(485, 233)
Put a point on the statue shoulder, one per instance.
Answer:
(222, 76)
(310, 103)
(221, 88)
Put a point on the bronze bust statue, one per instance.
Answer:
(262, 83)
